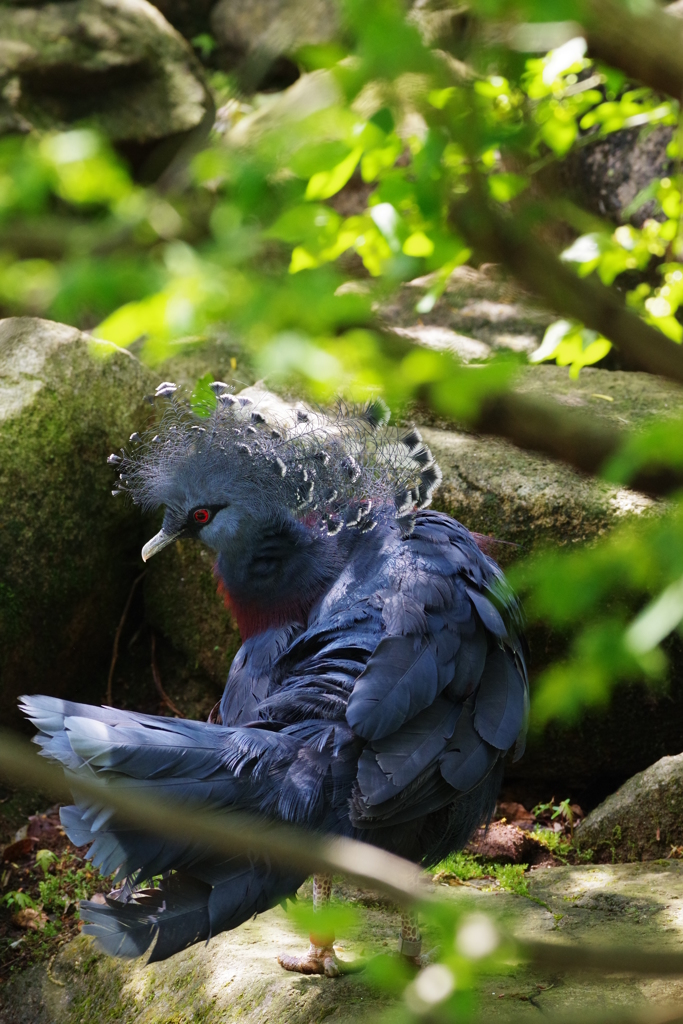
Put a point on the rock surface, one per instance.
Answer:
(68, 551)
(479, 312)
(608, 174)
(255, 33)
(236, 975)
(116, 65)
(643, 820)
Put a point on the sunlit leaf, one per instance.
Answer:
(324, 184)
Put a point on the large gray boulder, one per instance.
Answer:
(68, 550)
(643, 820)
(116, 65)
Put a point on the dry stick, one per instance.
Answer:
(117, 638)
(157, 681)
(234, 832)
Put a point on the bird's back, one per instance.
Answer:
(406, 687)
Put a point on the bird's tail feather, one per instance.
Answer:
(185, 908)
(185, 761)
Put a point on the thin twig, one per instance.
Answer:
(496, 238)
(604, 960)
(225, 832)
(157, 681)
(117, 638)
(235, 832)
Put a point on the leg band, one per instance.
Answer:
(409, 947)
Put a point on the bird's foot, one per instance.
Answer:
(422, 960)
(318, 960)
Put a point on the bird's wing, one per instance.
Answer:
(251, 674)
(444, 694)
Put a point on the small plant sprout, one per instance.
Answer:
(44, 858)
(19, 900)
(477, 937)
(432, 986)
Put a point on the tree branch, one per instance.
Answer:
(575, 438)
(641, 39)
(497, 239)
(226, 832)
(230, 832)
(535, 424)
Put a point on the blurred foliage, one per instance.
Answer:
(252, 240)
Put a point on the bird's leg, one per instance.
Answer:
(410, 940)
(320, 958)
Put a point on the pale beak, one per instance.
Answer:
(157, 542)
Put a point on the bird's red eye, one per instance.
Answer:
(202, 515)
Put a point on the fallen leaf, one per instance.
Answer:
(34, 920)
(22, 848)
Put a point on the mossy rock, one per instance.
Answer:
(116, 65)
(235, 976)
(68, 550)
(643, 820)
(181, 600)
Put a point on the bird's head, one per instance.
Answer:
(251, 466)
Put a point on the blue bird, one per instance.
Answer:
(380, 685)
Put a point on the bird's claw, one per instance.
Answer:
(318, 960)
(422, 959)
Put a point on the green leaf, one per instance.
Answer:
(324, 184)
(418, 244)
(317, 157)
(384, 119)
(504, 187)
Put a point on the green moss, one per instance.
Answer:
(67, 548)
(96, 987)
(466, 867)
(181, 600)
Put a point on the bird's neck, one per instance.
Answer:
(275, 574)
(253, 617)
